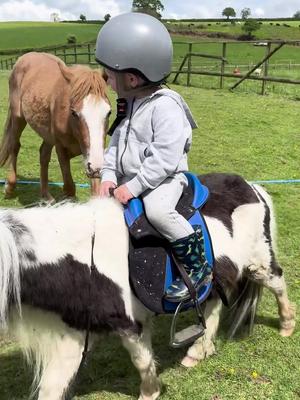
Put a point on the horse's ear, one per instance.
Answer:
(66, 71)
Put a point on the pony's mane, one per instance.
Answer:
(87, 81)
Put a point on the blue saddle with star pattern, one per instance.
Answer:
(151, 265)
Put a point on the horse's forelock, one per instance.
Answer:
(86, 81)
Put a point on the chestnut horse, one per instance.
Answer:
(67, 106)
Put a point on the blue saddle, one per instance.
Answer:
(151, 266)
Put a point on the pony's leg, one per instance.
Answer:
(15, 127)
(45, 156)
(271, 277)
(204, 346)
(140, 350)
(54, 349)
(62, 367)
(64, 162)
(95, 187)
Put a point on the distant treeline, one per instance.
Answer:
(226, 20)
(96, 21)
(88, 21)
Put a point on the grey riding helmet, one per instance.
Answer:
(135, 42)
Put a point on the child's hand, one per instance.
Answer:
(104, 188)
(123, 194)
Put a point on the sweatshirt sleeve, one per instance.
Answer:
(109, 169)
(166, 150)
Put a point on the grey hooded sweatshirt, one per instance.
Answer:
(151, 142)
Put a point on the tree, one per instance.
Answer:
(152, 7)
(54, 17)
(245, 13)
(297, 15)
(107, 17)
(72, 39)
(250, 26)
(228, 12)
(82, 17)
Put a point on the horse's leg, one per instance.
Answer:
(64, 162)
(95, 187)
(63, 363)
(54, 349)
(140, 350)
(45, 156)
(271, 276)
(204, 346)
(14, 129)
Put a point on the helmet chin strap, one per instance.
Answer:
(123, 90)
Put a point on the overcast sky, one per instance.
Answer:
(40, 10)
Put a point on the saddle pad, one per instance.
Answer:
(150, 266)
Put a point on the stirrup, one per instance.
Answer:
(188, 335)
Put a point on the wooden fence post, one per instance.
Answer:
(65, 56)
(188, 81)
(266, 68)
(223, 65)
(89, 53)
(75, 54)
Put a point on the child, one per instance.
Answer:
(147, 154)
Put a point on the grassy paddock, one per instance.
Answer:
(257, 137)
(285, 63)
(19, 35)
(267, 31)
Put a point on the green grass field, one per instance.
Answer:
(20, 35)
(267, 31)
(259, 138)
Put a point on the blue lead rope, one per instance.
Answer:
(87, 185)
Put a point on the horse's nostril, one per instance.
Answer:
(89, 167)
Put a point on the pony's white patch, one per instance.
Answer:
(247, 245)
(9, 272)
(95, 114)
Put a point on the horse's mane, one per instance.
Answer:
(86, 81)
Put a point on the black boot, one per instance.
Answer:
(189, 251)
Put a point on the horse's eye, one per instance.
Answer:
(74, 113)
(109, 114)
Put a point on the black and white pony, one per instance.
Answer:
(45, 285)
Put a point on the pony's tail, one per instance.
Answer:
(5, 146)
(9, 273)
(244, 307)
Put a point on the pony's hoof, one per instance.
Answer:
(153, 396)
(286, 332)
(9, 191)
(47, 201)
(287, 325)
(189, 362)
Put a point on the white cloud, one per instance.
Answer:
(96, 9)
(30, 10)
(26, 10)
(259, 12)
